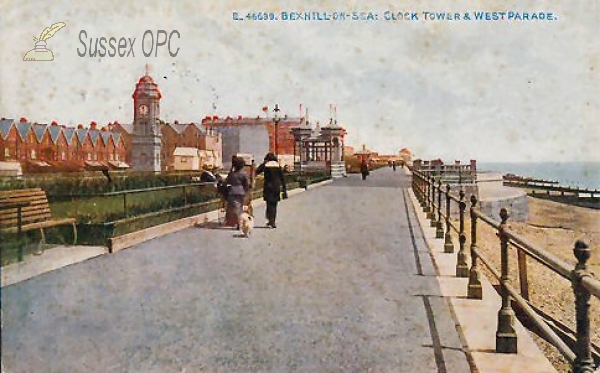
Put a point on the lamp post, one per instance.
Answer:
(276, 121)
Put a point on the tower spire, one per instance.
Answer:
(147, 69)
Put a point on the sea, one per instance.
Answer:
(575, 174)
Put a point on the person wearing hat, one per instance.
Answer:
(238, 185)
(274, 186)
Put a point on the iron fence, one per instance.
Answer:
(427, 186)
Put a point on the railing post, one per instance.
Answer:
(413, 185)
(523, 278)
(474, 290)
(417, 187)
(461, 258)
(506, 337)
(583, 362)
(429, 191)
(432, 222)
(125, 204)
(423, 187)
(423, 191)
(448, 245)
(439, 229)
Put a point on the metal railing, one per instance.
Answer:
(451, 173)
(427, 187)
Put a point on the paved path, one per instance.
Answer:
(340, 286)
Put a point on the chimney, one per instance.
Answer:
(80, 126)
(54, 123)
(23, 120)
(175, 121)
(239, 116)
(93, 125)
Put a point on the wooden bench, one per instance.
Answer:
(28, 209)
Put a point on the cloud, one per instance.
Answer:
(486, 90)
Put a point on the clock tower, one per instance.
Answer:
(146, 141)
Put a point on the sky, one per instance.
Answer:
(486, 90)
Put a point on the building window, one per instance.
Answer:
(183, 159)
(89, 157)
(33, 155)
(6, 152)
(117, 156)
(63, 156)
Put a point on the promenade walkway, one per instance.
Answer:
(344, 284)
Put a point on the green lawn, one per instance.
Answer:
(112, 207)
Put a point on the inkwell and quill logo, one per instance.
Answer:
(40, 52)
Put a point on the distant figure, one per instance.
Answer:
(394, 165)
(364, 169)
(238, 185)
(274, 186)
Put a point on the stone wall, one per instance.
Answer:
(494, 196)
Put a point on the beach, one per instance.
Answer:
(554, 227)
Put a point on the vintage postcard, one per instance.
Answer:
(323, 186)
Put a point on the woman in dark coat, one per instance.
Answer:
(274, 185)
(364, 169)
(238, 185)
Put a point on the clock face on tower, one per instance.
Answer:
(143, 110)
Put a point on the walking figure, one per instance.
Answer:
(238, 185)
(274, 188)
(364, 169)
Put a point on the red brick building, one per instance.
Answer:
(174, 135)
(56, 148)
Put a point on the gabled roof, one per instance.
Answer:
(69, 134)
(39, 130)
(23, 128)
(94, 135)
(105, 137)
(54, 133)
(116, 137)
(178, 127)
(81, 134)
(127, 127)
(5, 125)
(200, 128)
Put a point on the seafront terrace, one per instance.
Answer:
(353, 279)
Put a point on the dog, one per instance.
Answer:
(247, 224)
